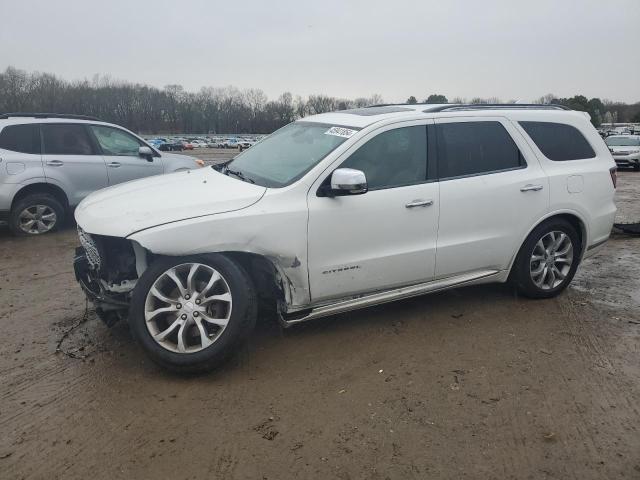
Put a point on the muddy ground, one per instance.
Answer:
(471, 383)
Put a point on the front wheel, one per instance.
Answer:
(548, 259)
(190, 313)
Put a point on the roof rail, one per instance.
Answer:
(495, 106)
(48, 115)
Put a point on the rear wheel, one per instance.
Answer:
(190, 313)
(548, 259)
(36, 214)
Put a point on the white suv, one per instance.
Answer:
(344, 210)
(50, 162)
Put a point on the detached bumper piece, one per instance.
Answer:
(109, 308)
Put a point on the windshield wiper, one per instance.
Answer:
(238, 174)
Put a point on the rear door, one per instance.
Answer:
(492, 191)
(120, 152)
(71, 160)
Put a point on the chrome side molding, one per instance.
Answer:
(293, 317)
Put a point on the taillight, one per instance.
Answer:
(614, 176)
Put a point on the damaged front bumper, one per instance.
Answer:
(110, 307)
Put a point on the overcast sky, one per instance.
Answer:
(511, 49)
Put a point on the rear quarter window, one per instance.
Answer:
(559, 141)
(21, 138)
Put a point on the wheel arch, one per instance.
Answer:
(42, 187)
(273, 286)
(573, 217)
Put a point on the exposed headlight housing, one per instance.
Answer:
(90, 248)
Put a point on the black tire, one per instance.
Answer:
(241, 322)
(636, 167)
(521, 274)
(30, 201)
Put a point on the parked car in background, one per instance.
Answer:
(344, 210)
(228, 143)
(199, 144)
(50, 162)
(243, 144)
(625, 150)
(186, 145)
(170, 145)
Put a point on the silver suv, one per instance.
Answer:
(50, 162)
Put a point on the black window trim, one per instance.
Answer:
(524, 165)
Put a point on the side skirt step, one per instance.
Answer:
(302, 315)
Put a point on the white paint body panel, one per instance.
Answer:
(132, 206)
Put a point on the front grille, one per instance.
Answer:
(90, 248)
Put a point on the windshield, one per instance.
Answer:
(623, 141)
(287, 154)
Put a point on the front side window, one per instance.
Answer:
(559, 141)
(115, 142)
(626, 141)
(474, 148)
(287, 154)
(21, 138)
(66, 139)
(393, 158)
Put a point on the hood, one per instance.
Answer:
(130, 207)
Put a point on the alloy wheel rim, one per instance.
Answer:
(37, 219)
(551, 260)
(188, 307)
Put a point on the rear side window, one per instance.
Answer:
(21, 138)
(66, 139)
(393, 158)
(474, 148)
(559, 141)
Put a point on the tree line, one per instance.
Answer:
(172, 109)
(600, 111)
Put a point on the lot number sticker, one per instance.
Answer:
(340, 132)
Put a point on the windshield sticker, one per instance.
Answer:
(340, 132)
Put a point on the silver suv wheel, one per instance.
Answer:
(188, 307)
(37, 219)
(551, 260)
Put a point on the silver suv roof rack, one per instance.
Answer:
(70, 116)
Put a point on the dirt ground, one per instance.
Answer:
(472, 383)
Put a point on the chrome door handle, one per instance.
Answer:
(531, 188)
(419, 203)
(113, 164)
(55, 163)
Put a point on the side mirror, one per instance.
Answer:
(347, 181)
(146, 152)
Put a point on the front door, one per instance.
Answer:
(120, 150)
(71, 160)
(385, 237)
